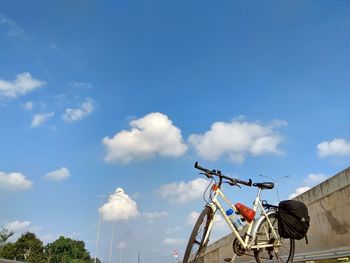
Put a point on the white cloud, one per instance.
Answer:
(313, 179)
(28, 105)
(151, 216)
(14, 30)
(17, 226)
(40, 119)
(310, 181)
(58, 175)
(77, 114)
(14, 181)
(237, 139)
(151, 135)
(174, 241)
(172, 230)
(299, 191)
(23, 84)
(49, 238)
(122, 245)
(80, 85)
(337, 147)
(220, 223)
(119, 207)
(192, 218)
(183, 192)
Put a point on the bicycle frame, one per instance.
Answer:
(247, 242)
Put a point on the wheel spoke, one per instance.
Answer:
(196, 244)
(280, 250)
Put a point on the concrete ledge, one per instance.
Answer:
(329, 233)
(323, 254)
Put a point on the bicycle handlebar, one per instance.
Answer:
(218, 173)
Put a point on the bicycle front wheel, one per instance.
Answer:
(197, 244)
(282, 249)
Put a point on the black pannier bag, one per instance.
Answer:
(293, 220)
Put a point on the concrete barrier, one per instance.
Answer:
(329, 232)
(329, 208)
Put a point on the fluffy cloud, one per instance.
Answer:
(40, 119)
(310, 181)
(313, 179)
(122, 245)
(192, 218)
(119, 207)
(151, 216)
(23, 84)
(237, 139)
(337, 147)
(17, 226)
(151, 135)
(77, 114)
(58, 175)
(174, 241)
(220, 222)
(28, 105)
(183, 192)
(14, 181)
(299, 191)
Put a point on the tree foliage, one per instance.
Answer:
(67, 250)
(30, 249)
(5, 234)
(8, 251)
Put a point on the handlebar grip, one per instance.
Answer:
(218, 173)
(197, 166)
(249, 183)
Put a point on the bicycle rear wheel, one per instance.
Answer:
(283, 249)
(196, 244)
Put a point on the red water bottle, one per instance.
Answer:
(246, 212)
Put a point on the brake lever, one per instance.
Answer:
(233, 184)
(207, 175)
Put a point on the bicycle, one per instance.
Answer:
(259, 236)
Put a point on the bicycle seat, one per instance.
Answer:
(265, 185)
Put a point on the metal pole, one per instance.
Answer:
(275, 183)
(98, 234)
(110, 249)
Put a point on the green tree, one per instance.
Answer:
(5, 234)
(67, 250)
(8, 251)
(27, 248)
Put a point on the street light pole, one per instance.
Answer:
(275, 183)
(111, 247)
(98, 234)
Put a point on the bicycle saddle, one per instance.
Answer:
(265, 185)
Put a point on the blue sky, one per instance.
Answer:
(129, 94)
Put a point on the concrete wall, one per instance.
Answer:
(329, 208)
(329, 233)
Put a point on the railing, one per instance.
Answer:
(323, 254)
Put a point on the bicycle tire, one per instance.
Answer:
(278, 253)
(196, 244)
